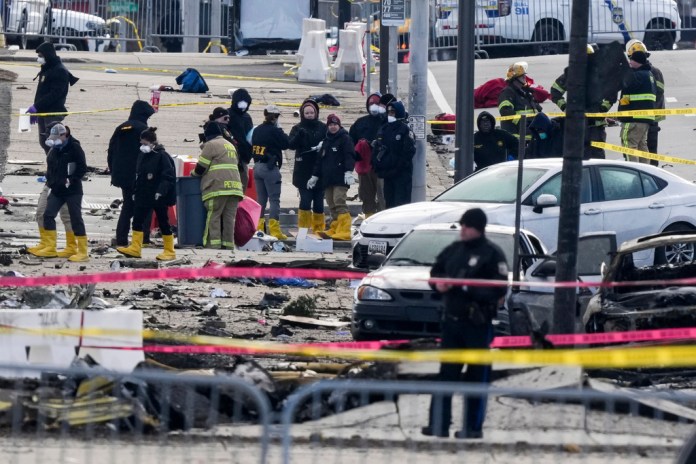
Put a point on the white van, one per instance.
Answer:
(655, 22)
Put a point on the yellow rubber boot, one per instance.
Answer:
(274, 230)
(169, 253)
(135, 249)
(70, 246)
(343, 227)
(262, 225)
(42, 242)
(49, 251)
(318, 223)
(82, 254)
(304, 219)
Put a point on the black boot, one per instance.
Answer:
(430, 432)
(469, 434)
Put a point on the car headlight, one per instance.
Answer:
(370, 293)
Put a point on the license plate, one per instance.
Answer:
(376, 246)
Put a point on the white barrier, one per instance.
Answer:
(316, 66)
(349, 63)
(33, 337)
(308, 25)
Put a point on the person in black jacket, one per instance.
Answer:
(638, 92)
(491, 145)
(371, 187)
(122, 157)
(239, 125)
(267, 144)
(392, 156)
(334, 170)
(305, 139)
(547, 137)
(154, 189)
(66, 166)
(54, 82)
(467, 318)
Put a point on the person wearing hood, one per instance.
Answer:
(240, 125)
(516, 98)
(393, 153)
(306, 139)
(333, 173)
(66, 166)
(547, 137)
(364, 132)
(221, 116)
(638, 93)
(54, 82)
(268, 140)
(154, 189)
(122, 159)
(491, 145)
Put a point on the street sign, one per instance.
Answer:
(393, 12)
(123, 7)
(417, 125)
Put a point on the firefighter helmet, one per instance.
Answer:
(518, 69)
(635, 45)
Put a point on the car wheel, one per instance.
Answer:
(547, 32)
(23, 40)
(677, 253)
(659, 40)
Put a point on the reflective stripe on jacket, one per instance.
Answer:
(221, 175)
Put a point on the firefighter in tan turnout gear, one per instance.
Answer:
(221, 187)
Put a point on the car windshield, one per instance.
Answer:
(421, 247)
(496, 184)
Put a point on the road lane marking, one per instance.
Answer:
(437, 94)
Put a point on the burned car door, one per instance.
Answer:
(530, 306)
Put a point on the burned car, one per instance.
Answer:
(653, 304)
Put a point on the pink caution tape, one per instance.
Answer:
(178, 274)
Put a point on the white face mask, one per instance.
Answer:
(49, 142)
(391, 118)
(41, 60)
(145, 148)
(374, 110)
(382, 109)
(242, 105)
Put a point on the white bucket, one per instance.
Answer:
(24, 121)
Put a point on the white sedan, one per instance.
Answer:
(631, 199)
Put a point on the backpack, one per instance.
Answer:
(191, 81)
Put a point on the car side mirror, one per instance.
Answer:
(544, 201)
(545, 269)
(375, 260)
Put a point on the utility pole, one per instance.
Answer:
(464, 136)
(418, 92)
(384, 54)
(344, 13)
(565, 299)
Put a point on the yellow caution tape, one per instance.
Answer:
(632, 357)
(615, 114)
(642, 154)
(174, 71)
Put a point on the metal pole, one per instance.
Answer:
(384, 54)
(190, 14)
(565, 299)
(418, 91)
(392, 86)
(215, 25)
(368, 58)
(464, 137)
(518, 199)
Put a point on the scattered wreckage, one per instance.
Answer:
(654, 304)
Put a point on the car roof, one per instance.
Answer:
(652, 241)
(494, 228)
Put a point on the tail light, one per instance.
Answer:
(504, 7)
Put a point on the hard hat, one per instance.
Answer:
(635, 45)
(518, 69)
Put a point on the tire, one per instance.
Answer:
(659, 40)
(547, 32)
(678, 253)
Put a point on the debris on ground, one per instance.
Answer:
(304, 305)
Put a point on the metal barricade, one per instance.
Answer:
(381, 422)
(91, 415)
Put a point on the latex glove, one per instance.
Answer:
(625, 100)
(67, 183)
(318, 146)
(348, 178)
(133, 197)
(158, 196)
(312, 182)
(606, 105)
(33, 119)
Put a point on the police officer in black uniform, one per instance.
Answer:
(467, 319)
(491, 145)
